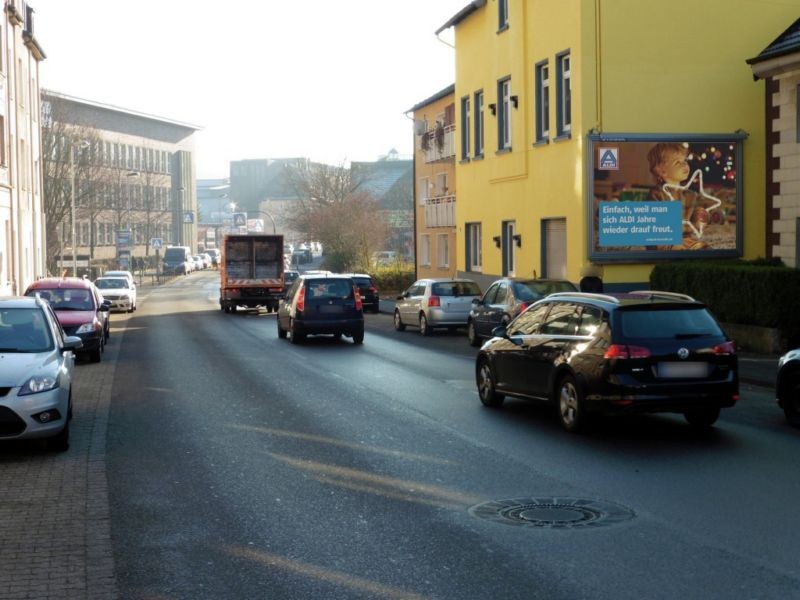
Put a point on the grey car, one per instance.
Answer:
(435, 303)
(35, 372)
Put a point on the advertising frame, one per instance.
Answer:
(677, 248)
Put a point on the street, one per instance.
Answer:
(210, 459)
(241, 466)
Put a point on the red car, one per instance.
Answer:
(80, 309)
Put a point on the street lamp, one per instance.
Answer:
(72, 146)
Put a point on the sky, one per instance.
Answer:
(320, 79)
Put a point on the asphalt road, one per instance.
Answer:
(241, 466)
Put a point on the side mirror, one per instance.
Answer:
(476, 301)
(72, 342)
(105, 306)
(499, 331)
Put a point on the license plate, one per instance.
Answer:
(673, 370)
(330, 309)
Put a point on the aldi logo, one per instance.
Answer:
(609, 159)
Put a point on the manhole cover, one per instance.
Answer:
(557, 513)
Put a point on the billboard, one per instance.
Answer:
(656, 197)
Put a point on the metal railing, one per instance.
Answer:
(440, 211)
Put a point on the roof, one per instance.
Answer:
(118, 109)
(450, 89)
(782, 55)
(461, 15)
(48, 283)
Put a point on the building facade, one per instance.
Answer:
(22, 225)
(435, 183)
(575, 108)
(779, 66)
(127, 177)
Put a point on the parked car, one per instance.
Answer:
(505, 299)
(178, 260)
(289, 277)
(120, 293)
(370, 297)
(126, 274)
(35, 373)
(592, 354)
(205, 257)
(215, 256)
(787, 386)
(80, 310)
(432, 303)
(321, 304)
(198, 262)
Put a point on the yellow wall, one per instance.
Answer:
(638, 66)
(430, 113)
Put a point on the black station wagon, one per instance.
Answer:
(613, 354)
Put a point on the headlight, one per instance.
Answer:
(124, 297)
(38, 383)
(86, 328)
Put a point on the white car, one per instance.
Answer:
(120, 292)
(36, 370)
(126, 274)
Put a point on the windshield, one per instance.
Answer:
(111, 284)
(24, 330)
(66, 298)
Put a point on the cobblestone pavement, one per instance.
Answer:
(55, 531)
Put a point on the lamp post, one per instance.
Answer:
(72, 146)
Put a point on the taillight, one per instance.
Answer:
(373, 290)
(725, 348)
(625, 351)
(523, 306)
(301, 299)
(434, 301)
(359, 304)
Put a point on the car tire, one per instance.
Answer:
(60, 441)
(790, 399)
(487, 386)
(376, 309)
(282, 333)
(424, 328)
(571, 409)
(94, 355)
(472, 335)
(358, 337)
(398, 322)
(702, 418)
(296, 338)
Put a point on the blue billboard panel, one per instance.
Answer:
(640, 223)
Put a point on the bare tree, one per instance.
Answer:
(62, 136)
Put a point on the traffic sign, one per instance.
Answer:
(240, 219)
(188, 217)
(156, 243)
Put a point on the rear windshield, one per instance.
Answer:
(362, 281)
(327, 289)
(290, 276)
(683, 323)
(175, 254)
(456, 288)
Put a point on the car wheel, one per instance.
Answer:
(571, 410)
(296, 337)
(358, 337)
(398, 322)
(60, 441)
(424, 329)
(472, 335)
(94, 355)
(487, 390)
(282, 333)
(702, 418)
(376, 309)
(790, 399)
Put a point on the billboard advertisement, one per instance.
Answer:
(664, 197)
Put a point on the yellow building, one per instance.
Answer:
(609, 135)
(434, 176)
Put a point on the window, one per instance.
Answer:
(509, 248)
(465, 128)
(542, 101)
(562, 320)
(797, 107)
(591, 319)
(422, 191)
(504, 114)
(425, 250)
(441, 184)
(478, 107)
(3, 142)
(473, 246)
(442, 250)
(563, 95)
(502, 14)
(528, 322)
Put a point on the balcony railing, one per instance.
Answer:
(440, 211)
(436, 151)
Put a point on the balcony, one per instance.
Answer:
(440, 211)
(438, 149)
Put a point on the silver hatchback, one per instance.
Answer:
(431, 303)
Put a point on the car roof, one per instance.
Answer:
(356, 275)
(324, 276)
(49, 283)
(18, 302)
(622, 299)
(445, 279)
